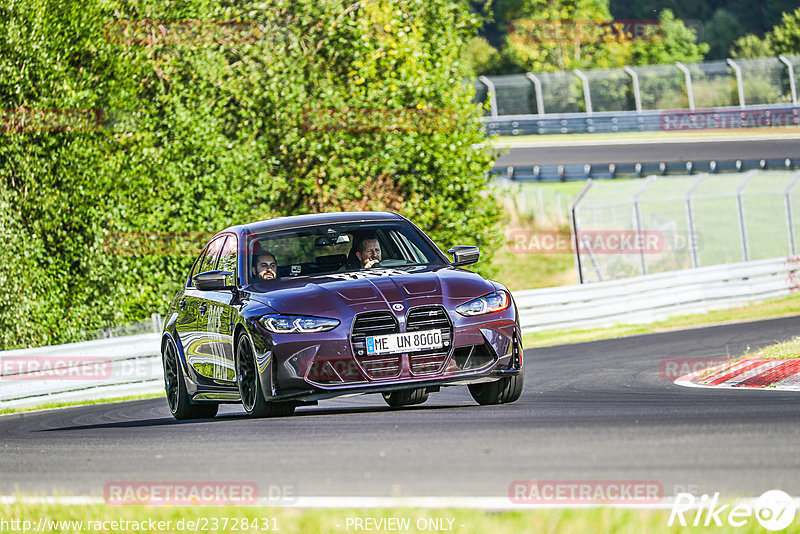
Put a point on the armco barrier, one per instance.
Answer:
(638, 299)
(79, 371)
(656, 296)
(569, 173)
(645, 121)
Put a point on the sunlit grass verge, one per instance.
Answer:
(98, 518)
(788, 350)
(768, 309)
(48, 405)
(657, 135)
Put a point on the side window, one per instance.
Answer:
(196, 267)
(212, 254)
(227, 260)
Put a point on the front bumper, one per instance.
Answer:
(324, 366)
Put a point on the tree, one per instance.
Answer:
(785, 38)
(676, 43)
(720, 32)
(215, 114)
(750, 46)
(481, 57)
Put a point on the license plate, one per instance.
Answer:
(408, 342)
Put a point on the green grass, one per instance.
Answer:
(769, 309)
(733, 133)
(291, 520)
(50, 405)
(788, 350)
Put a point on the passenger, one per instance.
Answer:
(264, 266)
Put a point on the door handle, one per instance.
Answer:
(203, 308)
(182, 304)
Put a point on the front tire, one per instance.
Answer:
(180, 404)
(501, 391)
(406, 397)
(253, 400)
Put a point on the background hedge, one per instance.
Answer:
(300, 106)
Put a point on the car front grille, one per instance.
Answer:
(375, 324)
(430, 318)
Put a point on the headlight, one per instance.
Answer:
(297, 324)
(497, 301)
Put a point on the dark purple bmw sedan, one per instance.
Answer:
(286, 312)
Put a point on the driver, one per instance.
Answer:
(264, 266)
(369, 252)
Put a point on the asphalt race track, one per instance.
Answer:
(630, 151)
(592, 411)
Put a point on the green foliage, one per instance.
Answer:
(103, 224)
(557, 35)
(677, 43)
(750, 46)
(785, 38)
(719, 32)
(481, 57)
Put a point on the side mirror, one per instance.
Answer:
(212, 280)
(464, 255)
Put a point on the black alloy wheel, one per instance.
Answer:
(180, 404)
(250, 390)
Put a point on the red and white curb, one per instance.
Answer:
(753, 372)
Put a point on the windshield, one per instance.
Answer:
(334, 248)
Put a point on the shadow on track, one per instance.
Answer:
(169, 421)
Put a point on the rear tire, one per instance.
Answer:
(180, 404)
(406, 397)
(501, 391)
(250, 390)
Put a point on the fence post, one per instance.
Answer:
(690, 217)
(792, 83)
(155, 318)
(787, 199)
(637, 95)
(587, 94)
(739, 84)
(573, 226)
(537, 86)
(740, 206)
(492, 95)
(637, 220)
(687, 76)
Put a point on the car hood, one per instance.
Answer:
(364, 290)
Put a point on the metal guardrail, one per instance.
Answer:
(656, 296)
(638, 299)
(79, 371)
(568, 173)
(630, 98)
(645, 121)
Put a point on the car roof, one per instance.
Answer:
(296, 221)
